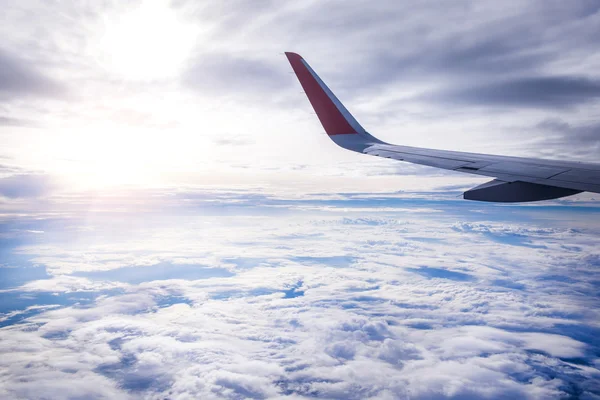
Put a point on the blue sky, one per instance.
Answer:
(174, 224)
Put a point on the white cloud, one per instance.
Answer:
(322, 302)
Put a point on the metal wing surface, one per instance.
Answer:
(516, 179)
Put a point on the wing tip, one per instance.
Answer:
(292, 54)
(293, 58)
(334, 117)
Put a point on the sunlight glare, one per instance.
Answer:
(146, 41)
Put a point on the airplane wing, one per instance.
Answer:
(516, 179)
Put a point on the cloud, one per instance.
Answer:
(380, 60)
(17, 78)
(233, 141)
(9, 121)
(540, 92)
(25, 185)
(409, 69)
(227, 75)
(325, 303)
(559, 133)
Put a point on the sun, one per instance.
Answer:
(145, 41)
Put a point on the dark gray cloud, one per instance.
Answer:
(540, 92)
(577, 140)
(499, 54)
(18, 78)
(585, 134)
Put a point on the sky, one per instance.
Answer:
(174, 223)
(154, 93)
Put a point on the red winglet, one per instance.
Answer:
(330, 116)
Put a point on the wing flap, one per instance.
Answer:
(579, 175)
(516, 192)
(439, 162)
(515, 168)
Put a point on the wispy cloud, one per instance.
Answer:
(19, 78)
(25, 185)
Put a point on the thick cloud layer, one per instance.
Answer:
(245, 296)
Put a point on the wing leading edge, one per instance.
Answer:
(517, 179)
